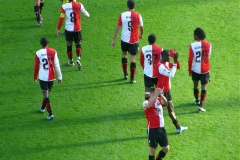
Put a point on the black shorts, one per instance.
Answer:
(157, 136)
(149, 82)
(204, 78)
(168, 95)
(46, 85)
(73, 36)
(128, 47)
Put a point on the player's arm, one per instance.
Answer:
(60, 21)
(210, 51)
(164, 71)
(84, 12)
(57, 68)
(36, 68)
(190, 60)
(115, 36)
(141, 27)
(163, 100)
(153, 99)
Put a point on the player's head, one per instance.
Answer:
(199, 34)
(44, 42)
(165, 56)
(130, 4)
(151, 38)
(152, 90)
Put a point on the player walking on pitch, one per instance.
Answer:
(38, 5)
(164, 76)
(149, 57)
(46, 60)
(72, 11)
(130, 21)
(199, 65)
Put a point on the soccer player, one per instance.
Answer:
(72, 11)
(149, 57)
(199, 65)
(38, 5)
(164, 76)
(46, 60)
(155, 126)
(130, 22)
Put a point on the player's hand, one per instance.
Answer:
(158, 91)
(140, 37)
(58, 33)
(175, 58)
(59, 81)
(190, 74)
(113, 43)
(35, 80)
(172, 51)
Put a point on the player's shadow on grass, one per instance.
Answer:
(182, 107)
(99, 84)
(102, 119)
(90, 143)
(43, 149)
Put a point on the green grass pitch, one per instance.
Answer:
(99, 116)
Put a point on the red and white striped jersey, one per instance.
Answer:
(164, 75)
(130, 21)
(149, 57)
(154, 114)
(73, 18)
(45, 61)
(198, 59)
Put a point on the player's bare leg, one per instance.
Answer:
(162, 153)
(37, 12)
(196, 95)
(173, 117)
(47, 104)
(41, 6)
(152, 153)
(124, 65)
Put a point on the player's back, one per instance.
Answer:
(130, 20)
(162, 71)
(151, 54)
(201, 51)
(72, 14)
(46, 58)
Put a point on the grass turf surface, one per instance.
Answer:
(97, 114)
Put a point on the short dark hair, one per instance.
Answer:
(130, 4)
(165, 52)
(199, 33)
(152, 89)
(151, 38)
(44, 41)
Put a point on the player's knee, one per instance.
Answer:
(166, 149)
